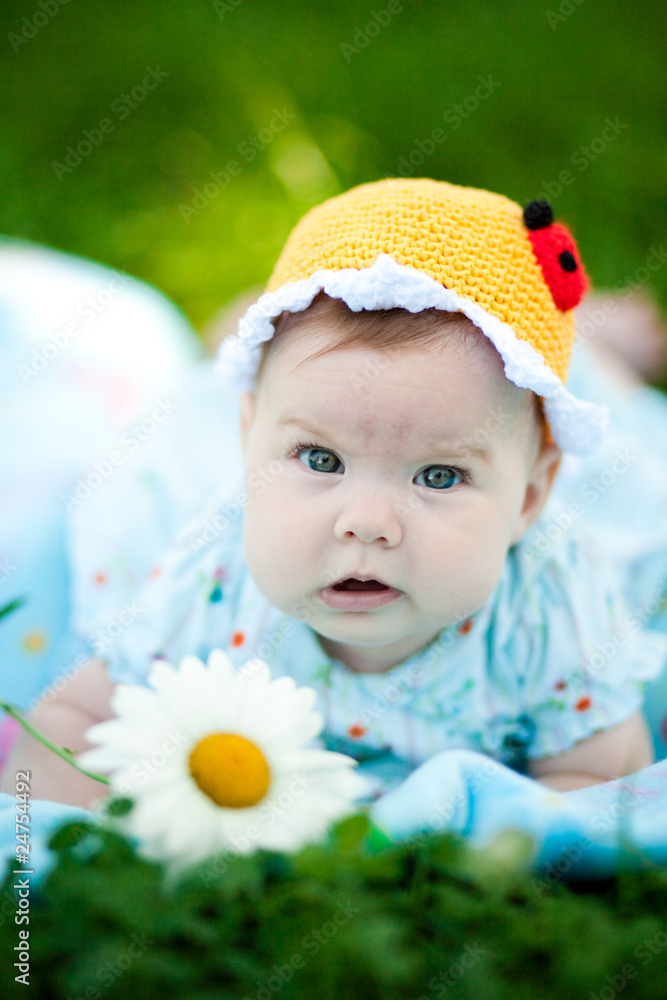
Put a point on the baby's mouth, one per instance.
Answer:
(354, 594)
(352, 583)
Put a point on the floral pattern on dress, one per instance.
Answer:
(500, 672)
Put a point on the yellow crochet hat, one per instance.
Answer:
(422, 244)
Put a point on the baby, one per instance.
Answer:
(403, 420)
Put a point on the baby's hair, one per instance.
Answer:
(373, 329)
(379, 329)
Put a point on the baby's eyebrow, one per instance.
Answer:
(467, 451)
(302, 422)
(438, 446)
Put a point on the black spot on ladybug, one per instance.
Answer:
(567, 261)
(556, 253)
(538, 215)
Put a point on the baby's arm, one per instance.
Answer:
(618, 751)
(84, 701)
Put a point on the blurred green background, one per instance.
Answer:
(362, 102)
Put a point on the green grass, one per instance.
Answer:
(356, 115)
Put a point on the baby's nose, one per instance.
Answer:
(369, 516)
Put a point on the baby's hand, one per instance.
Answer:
(613, 753)
(84, 701)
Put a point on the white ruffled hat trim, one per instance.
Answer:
(576, 425)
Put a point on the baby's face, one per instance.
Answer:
(405, 476)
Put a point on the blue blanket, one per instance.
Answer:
(591, 832)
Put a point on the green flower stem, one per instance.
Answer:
(12, 606)
(66, 755)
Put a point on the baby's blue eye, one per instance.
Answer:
(321, 460)
(438, 477)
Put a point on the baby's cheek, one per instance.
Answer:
(261, 541)
(473, 555)
(271, 546)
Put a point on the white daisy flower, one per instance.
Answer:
(214, 761)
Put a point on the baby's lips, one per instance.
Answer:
(357, 598)
(361, 582)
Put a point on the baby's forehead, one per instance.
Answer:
(329, 325)
(319, 356)
(442, 339)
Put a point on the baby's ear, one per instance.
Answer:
(538, 487)
(247, 413)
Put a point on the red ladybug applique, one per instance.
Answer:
(557, 255)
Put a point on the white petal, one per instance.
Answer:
(135, 702)
(313, 760)
(284, 735)
(255, 681)
(148, 745)
(221, 666)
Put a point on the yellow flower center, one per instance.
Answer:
(231, 770)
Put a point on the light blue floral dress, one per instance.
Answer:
(532, 672)
(562, 649)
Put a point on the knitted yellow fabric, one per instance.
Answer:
(471, 241)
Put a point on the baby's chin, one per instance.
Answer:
(377, 627)
(374, 629)
(377, 654)
(400, 623)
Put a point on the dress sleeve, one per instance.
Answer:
(581, 656)
(185, 605)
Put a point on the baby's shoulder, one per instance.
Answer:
(552, 581)
(546, 558)
(212, 538)
(189, 599)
